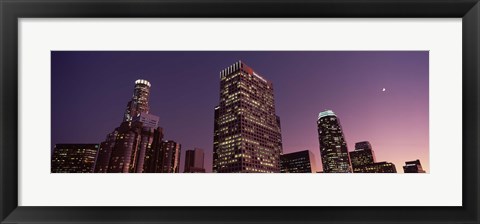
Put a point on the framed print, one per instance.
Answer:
(246, 112)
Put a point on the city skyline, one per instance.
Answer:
(113, 62)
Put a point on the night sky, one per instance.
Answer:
(90, 91)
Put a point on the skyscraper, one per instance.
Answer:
(413, 167)
(333, 147)
(139, 102)
(170, 157)
(362, 155)
(247, 135)
(74, 158)
(128, 147)
(194, 161)
(298, 162)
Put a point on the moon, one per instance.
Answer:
(383, 90)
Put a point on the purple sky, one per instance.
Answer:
(90, 91)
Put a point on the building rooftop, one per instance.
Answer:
(326, 113)
(143, 81)
(241, 65)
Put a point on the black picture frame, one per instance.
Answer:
(12, 10)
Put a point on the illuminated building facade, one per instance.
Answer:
(247, 135)
(139, 102)
(194, 161)
(362, 155)
(74, 158)
(298, 162)
(170, 157)
(216, 136)
(380, 167)
(333, 147)
(413, 167)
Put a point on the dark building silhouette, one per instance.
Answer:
(333, 146)
(247, 135)
(105, 153)
(154, 153)
(129, 149)
(298, 162)
(380, 167)
(413, 167)
(74, 158)
(128, 153)
(362, 155)
(125, 148)
(170, 157)
(194, 161)
(363, 160)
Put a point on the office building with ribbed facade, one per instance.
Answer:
(247, 135)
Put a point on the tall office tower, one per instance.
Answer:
(413, 167)
(247, 135)
(170, 157)
(194, 161)
(139, 102)
(74, 158)
(362, 155)
(380, 167)
(298, 162)
(127, 148)
(333, 147)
